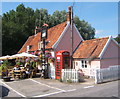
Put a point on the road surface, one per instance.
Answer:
(52, 88)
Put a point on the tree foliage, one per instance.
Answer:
(19, 24)
(118, 38)
(85, 29)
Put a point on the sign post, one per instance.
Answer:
(43, 38)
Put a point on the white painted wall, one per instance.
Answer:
(95, 64)
(91, 67)
(78, 65)
(53, 54)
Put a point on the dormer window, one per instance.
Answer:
(29, 47)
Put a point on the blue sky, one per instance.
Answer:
(103, 16)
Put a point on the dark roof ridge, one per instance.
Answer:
(96, 39)
(49, 28)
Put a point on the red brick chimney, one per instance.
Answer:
(69, 14)
(36, 28)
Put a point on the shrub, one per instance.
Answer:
(69, 80)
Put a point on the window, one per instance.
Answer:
(40, 45)
(84, 63)
(76, 63)
(66, 62)
(29, 47)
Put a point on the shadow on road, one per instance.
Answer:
(3, 91)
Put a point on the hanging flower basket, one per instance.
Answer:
(51, 60)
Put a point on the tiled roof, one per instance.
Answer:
(53, 35)
(90, 48)
(24, 47)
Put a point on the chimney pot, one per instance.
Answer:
(69, 9)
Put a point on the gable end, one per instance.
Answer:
(78, 32)
(59, 39)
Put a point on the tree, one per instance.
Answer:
(0, 35)
(85, 29)
(16, 27)
(58, 17)
(41, 17)
(19, 24)
(118, 38)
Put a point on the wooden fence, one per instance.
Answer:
(70, 75)
(107, 74)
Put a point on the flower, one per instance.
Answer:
(51, 59)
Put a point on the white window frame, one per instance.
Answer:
(40, 45)
(28, 47)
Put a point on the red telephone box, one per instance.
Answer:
(62, 62)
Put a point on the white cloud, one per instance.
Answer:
(98, 31)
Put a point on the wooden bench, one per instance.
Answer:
(17, 74)
(35, 73)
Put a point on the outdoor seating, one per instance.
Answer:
(21, 66)
(32, 73)
(20, 74)
(17, 74)
(39, 73)
(10, 73)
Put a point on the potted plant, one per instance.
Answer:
(3, 70)
(18, 61)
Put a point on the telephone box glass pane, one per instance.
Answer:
(66, 63)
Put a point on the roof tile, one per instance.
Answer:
(53, 35)
(90, 48)
(24, 47)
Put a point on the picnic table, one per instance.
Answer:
(16, 73)
(21, 73)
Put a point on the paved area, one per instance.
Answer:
(109, 89)
(37, 87)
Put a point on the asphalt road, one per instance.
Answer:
(52, 88)
(109, 89)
